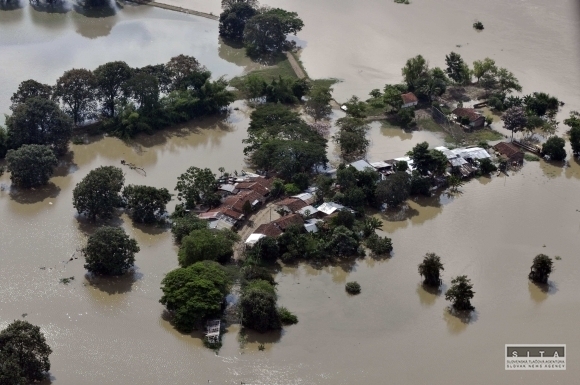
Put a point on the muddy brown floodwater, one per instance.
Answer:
(394, 332)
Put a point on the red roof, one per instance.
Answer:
(409, 97)
(289, 220)
(265, 182)
(468, 113)
(254, 186)
(507, 149)
(293, 204)
(269, 230)
(236, 202)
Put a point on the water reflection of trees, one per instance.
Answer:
(428, 295)
(457, 321)
(539, 292)
(34, 195)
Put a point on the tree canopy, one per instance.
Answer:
(146, 203)
(351, 138)
(30, 89)
(184, 225)
(266, 32)
(428, 161)
(457, 69)
(258, 307)
(76, 89)
(97, 194)
(31, 165)
(194, 293)
(234, 18)
(430, 269)
(197, 186)
(460, 293)
(554, 148)
(110, 78)
(394, 190)
(574, 123)
(205, 244)
(515, 119)
(110, 251)
(23, 354)
(318, 103)
(541, 269)
(39, 121)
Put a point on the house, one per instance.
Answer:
(328, 208)
(277, 227)
(289, 220)
(383, 167)
(361, 165)
(308, 211)
(464, 160)
(253, 186)
(475, 119)
(291, 205)
(236, 202)
(409, 100)
(307, 198)
(510, 152)
(227, 189)
(253, 239)
(268, 230)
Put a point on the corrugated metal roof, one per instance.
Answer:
(379, 165)
(310, 209)
(329, 207)
(361, 165)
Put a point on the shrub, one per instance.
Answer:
(31, 165)
(379, 245)
(205, 244)
(352, 288)
(291, 189)
(286, 317)
(252, 272)
(183, 226)
(478, 25)
(110, 251)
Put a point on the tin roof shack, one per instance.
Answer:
(383, 168)
(510, 153)
(409, 100)
(469, 117)
(464, 161)
(307, 198)
(361, 165)
(291, 204)
(277, 227)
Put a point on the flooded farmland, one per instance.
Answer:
(114, 331)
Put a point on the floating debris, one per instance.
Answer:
(133, 166)
(66, 281)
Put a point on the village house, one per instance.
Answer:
(469, 117)
(409, 100)
(464, 160)
(291, 204)
(509, 152)
(275, 228)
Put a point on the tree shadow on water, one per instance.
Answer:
(34, 195)
(66, 165)
(88, 227)
(539, 292)
(429, 294)
(114, 285)
(152, 228)
(253, 340)
(458, 320)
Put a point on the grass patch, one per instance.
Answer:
(286, 317)
(66, 281)
(324, 82)
(484, 134)
(531, 158)
(458, 135)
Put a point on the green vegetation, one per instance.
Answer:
(67, 280)
(554, 148)
(146, 204)
(351, 138)
(457, 69)
(196, 187)
(110, 251)
(286, 317)
(266, 250)
(266, 32)
(258, 307)
(98, 193)
(379, 245)
(460, 293)
(531, 158)
(184, 225)
(234, 18)
(31, 165)
(205, 244)
(541, 269)
(394, 190)
(430, 269)
(574, 123)
(194, 293)
(478, 25)
(352, 288)
(76, 91)
(23, 354)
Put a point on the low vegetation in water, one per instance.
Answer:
(66, 281)
(352, 288)
(402, 1)
(531, 158)
(286, 317)
(478, 25)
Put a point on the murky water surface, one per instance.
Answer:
(114, 332)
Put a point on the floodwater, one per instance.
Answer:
(114, 331)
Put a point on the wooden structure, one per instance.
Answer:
(510, 152)
(476, 120)
(212, 331)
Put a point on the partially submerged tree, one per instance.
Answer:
(574, 123)
(258, 307)
(460, 293)
(23, 354)
(110, 251)
(457, 69)
(394, 190)
(97, 194)
(318, 103)
(351, 138)
(110, 78)
(197, 187)
(30, 89)
(31, 165)
(194, 293)
(183, 225)
(234, 18)
(515, 119)
(76, 89)
(415, 69)
(266, 32)
(145, 203)
(205, 244)
(39, 121)
(430, 269)
(541, 269)
(554, 148)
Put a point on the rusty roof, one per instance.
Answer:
(268, 229)
(293, 204)
(507, 149)
(289, 220)
(254, 186)
(409, 97)
(468, 113)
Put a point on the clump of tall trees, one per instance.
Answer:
(262, 30)
(110, 251)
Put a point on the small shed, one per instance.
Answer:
(361, 165)
(409, 100)
(253, 239)
(510, 152)
(476, 120)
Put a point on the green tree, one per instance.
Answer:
(554, 148)
(489, 82)
(370, 224)
(110, 251)
(507, 81)
(483, 67)
(379, 245)
(405, 117)
(30, 89)
(351, 138)
(213, 97)
(97, 194)
(143, 89)
(266, 250)
(352, 287)
(182, 69)
(415, 69)
(457, 70)
(460, 293)
(394, 190)
(226, 4)
(356, 108)
(183, 226)
(540, 103)
(281, 91)
(234, 18)
(433, 83)
(23, 354)
(428, 161)
(573, 122)
(31, 165)
(111, 78)
(266, 32)
(541, 269)
(3, 143)
(486, 166)
(258, 307)
(318, 103)
(430, 269)
(76, 89)
(342, 242)
(514, 119)
(197, 186)
(39, 121)
(194, 293)
(255, 87)
(392, 98)
(205, 244)
(146, 203)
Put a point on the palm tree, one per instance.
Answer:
(454, 182)
(371, 224)
(460, 293)
(430, 269)
(541, 269)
